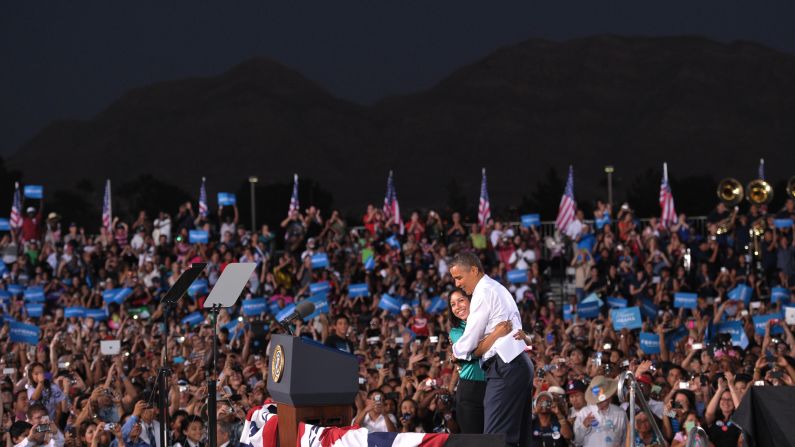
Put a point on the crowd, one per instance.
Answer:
(698, 347)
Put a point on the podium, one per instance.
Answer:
(310, 383)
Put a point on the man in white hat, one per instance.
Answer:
(600, 423)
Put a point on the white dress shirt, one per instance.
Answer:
(491, 304)
(155, 428)
(609, 430)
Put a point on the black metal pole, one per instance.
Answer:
(162, 377)
(162, 381)
(212, 412)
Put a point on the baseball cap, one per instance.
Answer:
(576, 386)
(405, 307)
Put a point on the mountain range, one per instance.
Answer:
(707, 108)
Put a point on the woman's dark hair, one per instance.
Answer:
(691, 397)
(454, 321)
(30, 374)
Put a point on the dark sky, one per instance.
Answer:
(69, 60)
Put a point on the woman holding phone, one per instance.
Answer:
(471, 388)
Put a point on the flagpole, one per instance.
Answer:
(665, 171)
(110, 206)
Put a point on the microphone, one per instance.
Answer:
(302, 310)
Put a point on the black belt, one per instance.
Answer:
(487, 364)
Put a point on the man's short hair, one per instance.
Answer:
(19, 428)
(467, 260)
(36, 409)
(226, 427)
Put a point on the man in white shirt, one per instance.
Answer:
(507, 402)
(600, 423)
(574, 228)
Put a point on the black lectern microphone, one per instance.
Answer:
(302, 310)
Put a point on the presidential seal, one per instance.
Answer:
(277, 364)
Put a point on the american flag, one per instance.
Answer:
(568, 206)
(484, 207)
(294, 205)
(107, 213)
(666, 200)
(203, 200)
(762, 168)
(15, 221)
(391, 206)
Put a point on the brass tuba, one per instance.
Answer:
(791, 187)
(730, 191)
(759, 192)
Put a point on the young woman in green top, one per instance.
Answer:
(471, 388)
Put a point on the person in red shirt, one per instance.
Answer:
(31, 225)
(419, 322)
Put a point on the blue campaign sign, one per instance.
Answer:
(319, 287)
(24, 333)
(531, 220)
(254, 306)
(357, 290)
(369, 263)
(735, 329)
(741, 293)
(34, 309)
(685, 300)
(5, 224)
(5, 296)
(226, 199)
(673, 337)
(74, 312)
(123, 293)
(588, 309)
(389, 304)
(321, 306)
(648, 309)
(760, 322)
(319, 261)
(284, 313)
(199, 287)
(34, 191)
(437, 305)
(567, 312)
(194, 318)
(626, 318)
(587, 242)
(15, 289)
(198, 237)
(116, 295)
(517, 276)
(602, 221)
(96, 314)
(650, 343)
(783, 223)
(274, 308)
(616, 302)
(393, 242)
(778, 294)
(234, 331)
(34, 294)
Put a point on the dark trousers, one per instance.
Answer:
(469, 410)
(508, 408)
